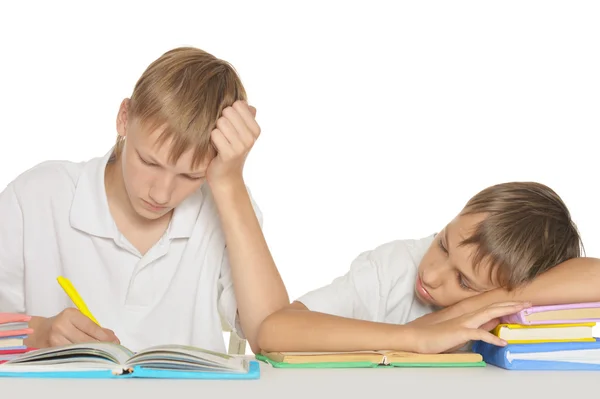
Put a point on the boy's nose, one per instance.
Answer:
(161, 190)
(432, 278)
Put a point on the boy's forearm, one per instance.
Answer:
(258, 287)
(292, 330)
(574, 281)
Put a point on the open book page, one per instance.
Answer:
(96, 355)
(379, 357)
(187, 358)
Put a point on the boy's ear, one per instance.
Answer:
(122, 116)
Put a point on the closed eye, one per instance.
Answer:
(146, 162)
(193, 177)
(442, 247)
(462, 283)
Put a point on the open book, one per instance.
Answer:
(369, 359)
(104, 360)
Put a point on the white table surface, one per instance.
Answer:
(481, 382)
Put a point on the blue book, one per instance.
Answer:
(106, 360)
(542, 356)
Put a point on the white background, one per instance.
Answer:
(380, 119)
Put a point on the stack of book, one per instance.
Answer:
(14, 329)
(557, 337)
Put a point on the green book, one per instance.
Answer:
(369, 359)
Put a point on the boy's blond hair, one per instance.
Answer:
(185, 90)
(527, 231)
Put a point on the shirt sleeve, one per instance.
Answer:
(12, 295)
(227, 303)
(357, 294)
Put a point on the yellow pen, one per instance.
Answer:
(74, 295)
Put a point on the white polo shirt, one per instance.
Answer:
(56, 221)
(379, 287)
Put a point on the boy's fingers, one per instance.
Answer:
(77, 336)
(495, 312)
(481, 335)
(241, 126)
(248, 113)
(88, 327)
(220, 141)
(235, 134)
(490, 325)
(112, 335)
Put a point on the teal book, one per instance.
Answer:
(369, 359)
(106, 360)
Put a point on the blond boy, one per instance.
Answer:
(160, 235)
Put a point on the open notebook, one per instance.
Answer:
(369, 359)
(106, 360)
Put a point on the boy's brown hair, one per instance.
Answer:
(527, 231)
(185, 90)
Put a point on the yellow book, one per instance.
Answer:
(530, 334)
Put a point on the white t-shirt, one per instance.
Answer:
(55, 221)
(379, 287)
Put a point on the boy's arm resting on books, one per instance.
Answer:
(574, 281)
(297, 329)
(258, 286)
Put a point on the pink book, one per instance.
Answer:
(6, 318)
(588, 312)
(14, 324)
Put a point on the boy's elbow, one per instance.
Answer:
(266, 333)
(279, 331)
(254, 347)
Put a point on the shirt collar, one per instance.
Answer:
(89, 211)
(187, 214)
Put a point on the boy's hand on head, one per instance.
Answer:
(70, 327)
(234, 136)
(452, 334)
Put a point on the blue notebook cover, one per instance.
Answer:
(142, 372)
(504, 357)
